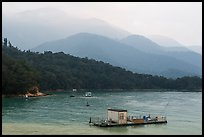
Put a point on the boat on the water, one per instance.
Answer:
(119, 117)
(74, 89)
(88, 94)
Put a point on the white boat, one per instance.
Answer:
(88, 94)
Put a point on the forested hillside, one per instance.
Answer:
(24, 69)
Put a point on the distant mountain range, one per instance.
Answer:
(196, 48)
(173, 44)
(181, 53)
(135, 53)
(31, 28)
(165, 41)
(100, 40)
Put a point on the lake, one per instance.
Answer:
(60, 114)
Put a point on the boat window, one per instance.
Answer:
(121, 115)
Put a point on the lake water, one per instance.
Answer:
(60, 114)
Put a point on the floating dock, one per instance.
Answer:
(118, 117)
(110, 124)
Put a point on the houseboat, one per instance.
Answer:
(119, 117)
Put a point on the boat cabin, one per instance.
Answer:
(118, 116)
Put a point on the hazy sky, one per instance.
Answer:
(178, 20)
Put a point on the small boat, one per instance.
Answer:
(72, 96)
(87, 104)
(88, 94)
(74, 89)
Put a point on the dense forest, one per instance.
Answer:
(49, 71)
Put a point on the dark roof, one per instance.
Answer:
(118, 110)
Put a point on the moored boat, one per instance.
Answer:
(119, 117)
(88, 94)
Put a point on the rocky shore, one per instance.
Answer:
(32, 92)
(35, 94)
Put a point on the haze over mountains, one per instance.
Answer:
(31, 28)
(196, 48)
(146, 45)
(97, 39)
(121, 54)
(173, 44)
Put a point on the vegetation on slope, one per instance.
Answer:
(23, 69)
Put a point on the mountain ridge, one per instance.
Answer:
(116, 53)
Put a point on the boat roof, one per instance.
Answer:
(118, 110)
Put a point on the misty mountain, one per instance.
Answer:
(33, 27)
(142, 43)
(165, 41)
(196, 48)
(174, 45)
(120, 54)
(180, 53)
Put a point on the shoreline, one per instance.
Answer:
(38, 94)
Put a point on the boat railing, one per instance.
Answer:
(134, 117)
(157, 118)
(147, 118)
(163, 118)
(97, 120)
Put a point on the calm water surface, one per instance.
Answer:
(61, 114)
